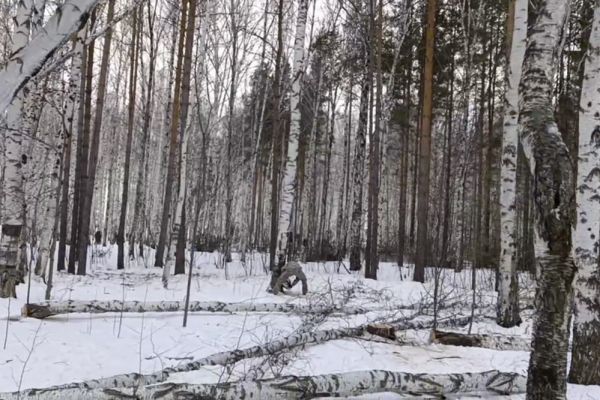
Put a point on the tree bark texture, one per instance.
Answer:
(585, 362)
(305, 387)
(508, 288)
(552, 169)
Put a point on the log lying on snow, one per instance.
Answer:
(48, 309)
(494, 342)
(305, 387)
(227, 358)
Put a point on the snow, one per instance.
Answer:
(77, 347)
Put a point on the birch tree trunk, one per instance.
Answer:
(307, 387)
(376, 38)
(13, 213)
(358, 165)
(276, 144)
(288, 186)
(508, 287)
(585, 362)
(552, 169)
(27, 60)
(48, 309)
(232, 95)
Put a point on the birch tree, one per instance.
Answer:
(552, 169)
(276, 144)
(508, 294)
(13, 213)
(359, 154)
(585, 362)
(27, 60)
(288, 189)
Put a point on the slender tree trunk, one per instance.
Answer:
(276, 139)
(83, 140)
(179, 227)
(359, 160)
(288, 189)
(75, 97)
(137, 226)
(372, 257)
(86, 210)
(585, 362)
(172, 155)
(133, 74)
(343, 200)
(404, 148)
(425, 145)
(448, 174)
(508, 293)
(550, 164)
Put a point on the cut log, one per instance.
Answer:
(306, 387)
(494, 342)
(48, 309)
(384, 330)
(232, 357)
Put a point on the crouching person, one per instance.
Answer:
(291, 274)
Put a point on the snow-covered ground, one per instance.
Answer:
(77, 347)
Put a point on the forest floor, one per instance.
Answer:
(76, 347)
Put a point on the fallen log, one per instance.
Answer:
(48, 309)
(306, 387)
(494, 342)
(383, 330)
(231, 357)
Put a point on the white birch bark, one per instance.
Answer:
(288, 186)
(305, 387)
(551, 166)
(27, 61)
(50, 308)
(13, 213)
(585, 363)
(47, 309)
(508, 289)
